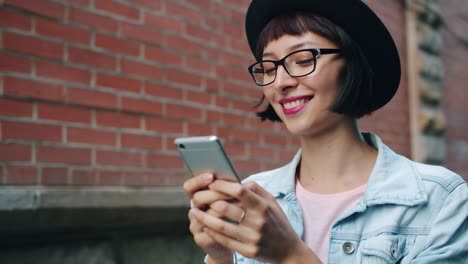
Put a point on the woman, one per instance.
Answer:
(345, 197)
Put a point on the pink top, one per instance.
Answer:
(319, 213)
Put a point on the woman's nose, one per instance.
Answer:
(284, 80)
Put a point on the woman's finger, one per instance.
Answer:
(196, 183)
(197, 226)
(245, 249)
(203, 198)
(229, 210)
(247, 197)
(218, 225)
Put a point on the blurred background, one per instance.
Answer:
(93, 93)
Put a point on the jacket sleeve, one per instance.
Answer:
(448, 238)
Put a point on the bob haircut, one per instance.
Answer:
(355, 78)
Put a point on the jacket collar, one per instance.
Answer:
(392, 179)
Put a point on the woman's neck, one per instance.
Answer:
(335, 161)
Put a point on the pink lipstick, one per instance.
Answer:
(293, 105)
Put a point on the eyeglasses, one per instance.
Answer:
(297, 64)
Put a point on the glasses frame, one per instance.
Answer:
(315, 52)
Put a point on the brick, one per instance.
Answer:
(246, 106)
(199, 97)
(199, 129)
(109, 178)
(65, 155)
(92, 98)
(163, 91)
(182, 111)
(21, 175)
(91, 136)
(237, 149)
(233, 88)
(32, 45)
(163, 125)
(13, 63)
(14, 152)
(234, 119)
(154, 5)
(141, 33)
(181, 77)
(118, 9)
(201, 4)
(91, 58)
(54, 176)
(234, 59)
(199, 65)
(161, 161)
(61, 31)
(112, 119)
(163, 56)
(141, 69)
(11, 19)
(62, 72)
(240, 75)
(30, 131)
(43, 7)
(118, 158)
(221, 9)
(92, 20)
(183, 45)
(118, 82)
(163, 22)
(279, 139)
(213, 117)
(83, 177)
(242, 135)
(32, 89)
(166, 178)
(177, 9)
(10, 107)
(141, 141)
(63, 113)
(198, 32)
(141, 106)
(134, 178)
(232, 29)
(81, 2)
(117, 45)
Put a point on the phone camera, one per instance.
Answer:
(182, 146)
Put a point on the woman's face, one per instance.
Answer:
(303, 103)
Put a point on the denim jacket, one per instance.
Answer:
(410, 213)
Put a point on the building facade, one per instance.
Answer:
(93, 93)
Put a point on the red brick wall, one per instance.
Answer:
(455, 91)
(94, 92)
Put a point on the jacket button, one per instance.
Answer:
(348, 247)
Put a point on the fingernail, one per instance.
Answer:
(208, 177)
(193, 211)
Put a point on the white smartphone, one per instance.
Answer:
(206, 154)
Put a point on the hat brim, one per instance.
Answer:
(357, 20)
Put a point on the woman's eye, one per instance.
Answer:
(305, 62)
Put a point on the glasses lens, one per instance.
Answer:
(264, 72)
(300, 63)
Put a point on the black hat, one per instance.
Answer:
(356, 19)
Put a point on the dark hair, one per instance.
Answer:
(355, 78)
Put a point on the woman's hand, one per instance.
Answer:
(263, 231)
(201, 197)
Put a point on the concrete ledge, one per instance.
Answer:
(24, 198)
(31, 216)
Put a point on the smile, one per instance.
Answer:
(294, 105)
